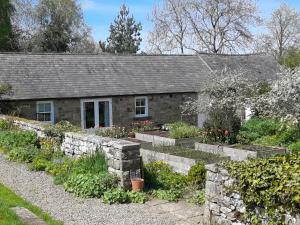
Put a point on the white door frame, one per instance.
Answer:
(96, 110)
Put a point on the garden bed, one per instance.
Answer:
(241, 152)
(163, 139)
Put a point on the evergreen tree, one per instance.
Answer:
(124, 34)
(6, 30)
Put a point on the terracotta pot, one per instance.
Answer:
(137, 184)
(131, 135)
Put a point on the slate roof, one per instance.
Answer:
(46, 76)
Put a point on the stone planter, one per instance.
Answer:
(237, 154)
(158, 140)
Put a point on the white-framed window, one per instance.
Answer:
(45, 111)
(141, 106)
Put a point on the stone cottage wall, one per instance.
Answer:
(223, 208)
(123, 157)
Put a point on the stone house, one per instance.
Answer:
(105, 90)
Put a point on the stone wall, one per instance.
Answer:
(123, 157)
(223, 207)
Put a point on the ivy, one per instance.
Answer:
(270, 186)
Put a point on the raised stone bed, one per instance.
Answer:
(160, 140)
(238, 154)
(181, 162)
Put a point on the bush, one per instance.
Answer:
(183, 130)
(172, 195)
(6, 124)
(198, 198)
(18, 138)
(197, 175)
(137, 197)
(58, 130)
(39, 164)
(90, 185)
(221, 126)
(94, 164)
(22, 154)
(295, 147)
(262, 126)
(49, 144)
(160, 175)
(114, 132)
(271, 184)
(113, 196)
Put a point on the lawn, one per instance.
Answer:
(9, 199)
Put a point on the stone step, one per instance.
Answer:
(27, 216)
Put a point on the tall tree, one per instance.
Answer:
(170, 27)
(7, 37)
(125, 36)
(283, 31)
(221, 26)
(60, 25)
(214, 26)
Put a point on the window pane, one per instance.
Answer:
(138, 102)
(44, 117)
(41, 107)
(143, 102)
(47, 107)
(47, 117)
(138, 111)
(142, 110)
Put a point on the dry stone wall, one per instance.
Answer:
(123, 156)
(223, 207)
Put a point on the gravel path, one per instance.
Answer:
(38, 188)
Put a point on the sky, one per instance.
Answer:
(99, 14)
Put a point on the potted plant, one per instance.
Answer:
(137, 184)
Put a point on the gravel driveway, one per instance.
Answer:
(38, 188)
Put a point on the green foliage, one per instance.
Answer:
(114, 132)
(6, 124)
(60, 25)
(120, 196)
(197, 175)
(39, 164)
(49, 144)
(137, 197)
(295, 147)
(22, 154)
(7, 36)
(291, 59)
(18, 138)
(94, 164)
(256, 128)
(272, 184)
(90, 185)
(160, 175)
(221, 126)
(58, 130)
(124, 34)
(183, 130)
(113, 196)
(172, 195)
(197, 198)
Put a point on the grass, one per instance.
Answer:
(9, 199)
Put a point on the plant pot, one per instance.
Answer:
(137, 184)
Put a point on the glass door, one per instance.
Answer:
(96, 113)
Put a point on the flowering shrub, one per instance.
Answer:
(144, 125)
(114, 132)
